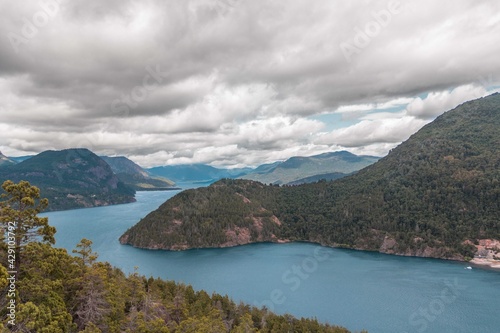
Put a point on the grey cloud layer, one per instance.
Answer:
(142, 78)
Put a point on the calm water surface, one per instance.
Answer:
(358, 290)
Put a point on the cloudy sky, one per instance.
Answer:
(237, 82)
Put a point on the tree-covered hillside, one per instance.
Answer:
(434, 195)
(60, 293)
(55, 292)
(71, 178)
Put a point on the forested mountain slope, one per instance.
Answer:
(433, 195)
(71, 178)
(47, 290)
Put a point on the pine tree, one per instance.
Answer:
(85, 251)
(18, 216)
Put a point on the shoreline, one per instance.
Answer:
(486, 263)
(482, 263)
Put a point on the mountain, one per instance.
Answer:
(136, 177)
(4, 160)
(195, 172)
(266, 168)
(71, 178)
(292, 170)
(298, 169)
(435, 195)
(19, 159)
(316, 178)
(121, 164)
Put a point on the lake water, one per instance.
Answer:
(358, 290)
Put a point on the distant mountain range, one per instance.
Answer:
(299, 170)
(66, 177)
(295, 170)
(435, 195)
(71, 178)
(135, 176)
(196, 172)
(4, 160)
(77, 178)
(19, 159)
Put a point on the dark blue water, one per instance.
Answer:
(358, 290)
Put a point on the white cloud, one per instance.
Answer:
(438, 102)
(366, 132)
(374, 149)
(276, 132)
(238, 80)
(392, 103)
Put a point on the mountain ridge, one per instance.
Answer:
(195, 172)
(301, 168)
(4, 160)
(295, 168)
(71, 178)
(135, 176)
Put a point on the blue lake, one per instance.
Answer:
(358, 290)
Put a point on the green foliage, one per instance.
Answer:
(427, 197)
(202, 218)
(60, 293)
(3, 277)
(85, 251)
(18, 216)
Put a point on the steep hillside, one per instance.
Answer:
(316, 178)
(301, 168)
(136, 177)
(72, 178)
(215, 216)
(435, 195)
(4, 160)
(121, 164)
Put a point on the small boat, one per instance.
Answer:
(468, 267)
